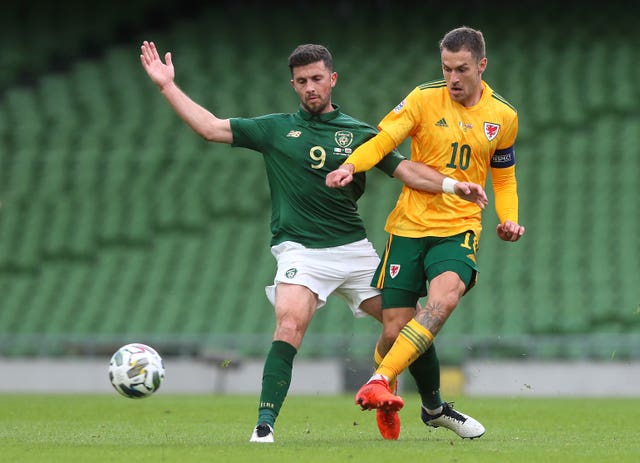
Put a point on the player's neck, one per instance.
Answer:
(475, 98)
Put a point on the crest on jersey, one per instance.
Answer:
(394, 269)
(343, 138)
(491, 130)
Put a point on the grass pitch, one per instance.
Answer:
(168, 428)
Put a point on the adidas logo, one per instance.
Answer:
(441, 123)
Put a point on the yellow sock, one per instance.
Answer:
(413, 341)
(377, 359)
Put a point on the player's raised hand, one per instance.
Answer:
(342, 176)
(471, 192)
(509, 231)
(160, 73)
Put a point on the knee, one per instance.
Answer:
(290, 329)
(288, 326)
(393, 325)
(449, 300)
(446, 292)
(391, 332)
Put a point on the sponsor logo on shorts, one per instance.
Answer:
(291, 272)
(394, 269)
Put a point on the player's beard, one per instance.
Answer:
(317, 106)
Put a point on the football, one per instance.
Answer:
(136, 371)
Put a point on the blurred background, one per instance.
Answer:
(119, 224)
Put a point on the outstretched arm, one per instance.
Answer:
(342, 176)
(363, 158)
(203, 122)
(422, 177)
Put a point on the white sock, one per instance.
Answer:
(433, 412)
(378, 377)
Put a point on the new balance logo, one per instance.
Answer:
(441, 123)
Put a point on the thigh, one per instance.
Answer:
(310, 268)
(294, 309)
(395, 319)
(353, 267)
(372, 306)
(455, 254)
(344, 270)
(402, 266)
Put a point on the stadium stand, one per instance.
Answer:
(118, 223)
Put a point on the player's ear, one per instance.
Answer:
(482, 64)
(334, 79)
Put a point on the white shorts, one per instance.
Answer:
(344, 270)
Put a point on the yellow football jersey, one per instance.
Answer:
(462, 143)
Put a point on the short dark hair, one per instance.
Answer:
(464, 37)
(310, 53)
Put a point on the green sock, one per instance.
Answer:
(426, 372)
(276, 378)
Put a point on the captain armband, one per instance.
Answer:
(503, 158)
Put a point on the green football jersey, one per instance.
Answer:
(299, 150)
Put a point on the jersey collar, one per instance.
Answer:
(324, 117)
(486, 96)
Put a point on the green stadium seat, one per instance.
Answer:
(117, 219)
